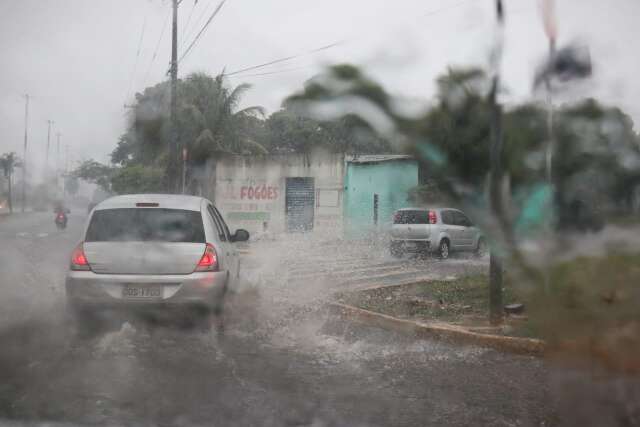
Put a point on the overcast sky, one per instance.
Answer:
(77, 58)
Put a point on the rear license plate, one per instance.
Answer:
(142, 291)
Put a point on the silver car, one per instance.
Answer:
(153, 254)
(437, 230)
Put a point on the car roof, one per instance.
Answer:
(168, 201)
(427, 209)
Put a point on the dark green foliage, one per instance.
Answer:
(94, 172)
(137, 179)
(597, 156)
(285, 131)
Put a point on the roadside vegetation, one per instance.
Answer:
(589, 310)
(8, 163)
(461, 301)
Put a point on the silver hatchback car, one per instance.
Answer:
(154, 253)
(437, 230)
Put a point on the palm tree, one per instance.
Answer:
(211, 122)
(8, 162)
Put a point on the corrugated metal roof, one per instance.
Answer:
(376, 158)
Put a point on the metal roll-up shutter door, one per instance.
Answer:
(300, 202)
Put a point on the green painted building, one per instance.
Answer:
(374, 187)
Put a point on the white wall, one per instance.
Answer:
(251, 190)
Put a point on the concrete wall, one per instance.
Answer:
(251, 190)
(390, 180)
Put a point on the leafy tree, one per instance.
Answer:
(95, 172)
(597, 159)
(209, 122)
(289, 131)
(137, 179)
(597, 149)
(211, 119)
(8, 162)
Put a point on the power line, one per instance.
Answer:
(213, 15)
(269, 73)
(444, 9)
(184, 31)
(196, 23)
(155, 52)
(286, 58)
(135, 66)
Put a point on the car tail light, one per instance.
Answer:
(433, 218)
(209, 260)
(79, 260)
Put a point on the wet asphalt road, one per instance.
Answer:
(282, 361)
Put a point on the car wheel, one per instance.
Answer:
(481, 249)
(84, 323)
(396, 250)
(211, 317)
(444, 249)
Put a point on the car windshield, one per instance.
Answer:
(145, 225)
(409, 213)
(411, 217)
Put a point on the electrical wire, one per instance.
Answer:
(444, 9)
(135, 66)
(189, 31)
(155, 52)
(189, 19)
(287, 58)
(269, 73)
(195, 40)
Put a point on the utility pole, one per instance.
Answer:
(172, 169)
(184, 169)
(46, 165)
(495, 187)
(57, 160)
(24, 154)
(550, 27)
(551, 32)
(64, 175)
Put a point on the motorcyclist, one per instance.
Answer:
(61, 214)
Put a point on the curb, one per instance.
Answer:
(444, 331)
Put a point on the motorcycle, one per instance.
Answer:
(61, 220)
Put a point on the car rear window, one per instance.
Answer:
(411, 217)
(145, 225)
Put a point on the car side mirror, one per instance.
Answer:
(240, 236)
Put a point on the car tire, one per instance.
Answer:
(84, 323)
(482, 248)
(444, 249)
(396, 250)
(205, 319)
